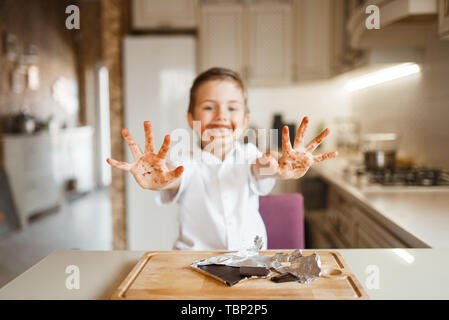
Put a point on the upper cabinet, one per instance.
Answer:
(221, 37)
(269, 42)
(164, 14)
(443, 19)
(254, 39)
(269, 39)
(313, 38)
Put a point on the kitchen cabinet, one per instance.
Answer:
(443, 19)
(221, 36)
(369, 234)
(31, 166)
(75, 157)
(164, 14)
(253, 39)
(313, 39)
(274, 42)
(344, 224)
(270, 44)
(38, 165)
(319, 39)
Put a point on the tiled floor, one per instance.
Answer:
(83, 224)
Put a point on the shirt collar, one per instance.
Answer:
(207, 157)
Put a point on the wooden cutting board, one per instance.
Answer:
(168, 275)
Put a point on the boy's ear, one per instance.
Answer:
(190, 119)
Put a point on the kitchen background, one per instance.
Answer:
(66, 93)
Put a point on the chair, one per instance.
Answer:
(283, 215)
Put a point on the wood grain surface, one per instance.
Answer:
(165, 275)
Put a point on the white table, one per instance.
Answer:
(402, 274)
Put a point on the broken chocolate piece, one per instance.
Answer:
(254, 271)
(233, 275)
(285, 277)
(230, 275)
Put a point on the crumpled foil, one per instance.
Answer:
(305, 268)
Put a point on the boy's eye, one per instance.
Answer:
(232, 108)
(208, 108)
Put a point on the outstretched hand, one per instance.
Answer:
(295, 161)
(149, 169)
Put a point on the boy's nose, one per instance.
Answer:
(222, 113)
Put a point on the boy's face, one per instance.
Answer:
(220, 107)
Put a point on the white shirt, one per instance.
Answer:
(219, 201)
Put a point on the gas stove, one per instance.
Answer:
(399, 179)
(424, 177)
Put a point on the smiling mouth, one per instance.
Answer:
(219, 126)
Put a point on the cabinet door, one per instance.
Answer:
(443, 19)
(313, 39)
(369, 234)
(221, 36)
(269, 48)
(157, 14)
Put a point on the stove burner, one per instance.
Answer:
(407, 177)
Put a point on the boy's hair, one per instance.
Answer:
(216, 74)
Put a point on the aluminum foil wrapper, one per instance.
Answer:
(305, 268)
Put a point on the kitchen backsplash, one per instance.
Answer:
(322, 101)
(416, 107)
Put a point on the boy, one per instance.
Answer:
(218, 196)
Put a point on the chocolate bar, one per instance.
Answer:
(285, 277)
(254, 271)
(233, 275)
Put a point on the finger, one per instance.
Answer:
(265, 160)
(174, 174)
(325, 156)
(165, 146)
(149, 146)
(286, 145)
(132, 144)
(270, 166)
(317, 141)
(301, 131)
(119, 164)
(274, 154)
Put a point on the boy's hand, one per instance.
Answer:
(294, 162)
(149, 169)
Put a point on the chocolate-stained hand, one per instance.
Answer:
(295, 161)
(149, 169)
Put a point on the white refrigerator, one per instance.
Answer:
(158, 72)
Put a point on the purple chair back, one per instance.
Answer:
(283, 215)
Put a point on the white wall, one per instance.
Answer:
(416, 107)
(320, 101)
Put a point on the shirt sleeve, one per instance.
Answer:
(258, 186)
(165, 197)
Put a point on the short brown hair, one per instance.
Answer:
(216, 74)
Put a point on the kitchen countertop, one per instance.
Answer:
(420, 215)
(384, 273)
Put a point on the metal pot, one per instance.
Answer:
(379, 151)
(24, 123)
